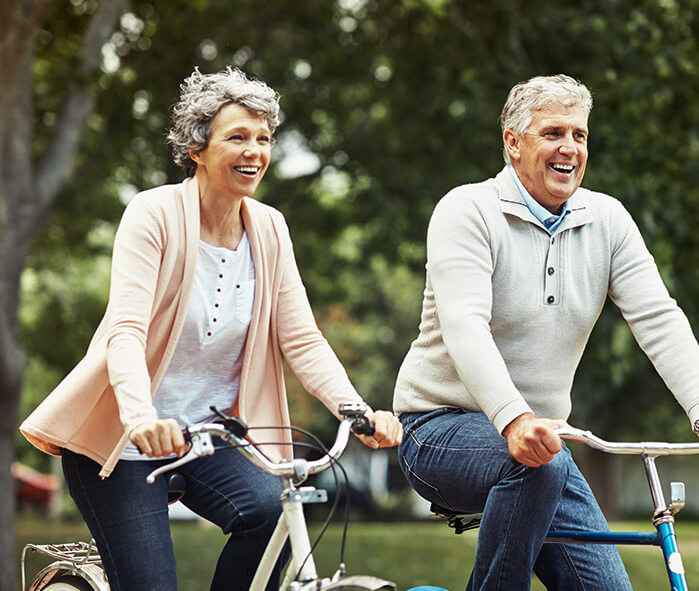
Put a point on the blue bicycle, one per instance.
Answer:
(663, 517)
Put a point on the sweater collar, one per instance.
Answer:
(513, 204)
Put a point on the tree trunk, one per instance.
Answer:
(26, 196)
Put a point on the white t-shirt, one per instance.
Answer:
(206, 366)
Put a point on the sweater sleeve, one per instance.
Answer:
(656, 321)
(460, 264)
(135, 265)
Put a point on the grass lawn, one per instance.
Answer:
(408, 553)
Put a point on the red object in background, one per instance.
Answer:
(32, 486)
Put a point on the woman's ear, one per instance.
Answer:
(511, 141)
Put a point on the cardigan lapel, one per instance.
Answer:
(257, 248)
(189, 205)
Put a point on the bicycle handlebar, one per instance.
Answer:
(202, 445)
(648, 448)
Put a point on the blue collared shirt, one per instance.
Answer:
(550, 221)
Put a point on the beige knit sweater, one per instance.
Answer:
(508, 308)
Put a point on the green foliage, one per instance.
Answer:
(398, 102)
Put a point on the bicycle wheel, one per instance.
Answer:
(361, 583)
(68, 583)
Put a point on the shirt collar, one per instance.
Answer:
(551, 222)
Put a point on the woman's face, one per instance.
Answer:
(238, 153)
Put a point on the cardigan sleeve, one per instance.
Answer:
(135, 265)
(308, 353)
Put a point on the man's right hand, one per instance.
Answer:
(532, 441)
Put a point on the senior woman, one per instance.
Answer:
(205, 296)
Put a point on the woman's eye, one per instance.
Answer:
(264, 139)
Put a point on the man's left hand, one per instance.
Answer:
(388, 431)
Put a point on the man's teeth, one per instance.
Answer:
(563, 167)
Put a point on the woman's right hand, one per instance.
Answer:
(159, 438)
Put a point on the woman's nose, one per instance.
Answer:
(251, 149)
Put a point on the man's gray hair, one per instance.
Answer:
(201, 98)
(541, 92)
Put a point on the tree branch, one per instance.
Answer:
(57, 165)
(19, 22)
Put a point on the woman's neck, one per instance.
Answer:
(220, 220)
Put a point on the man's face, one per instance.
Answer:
(550, 157)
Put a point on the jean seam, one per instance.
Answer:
(571, 562)
(409, 468)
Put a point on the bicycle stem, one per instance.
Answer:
(661, 512)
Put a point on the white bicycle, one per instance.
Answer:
(77, 565)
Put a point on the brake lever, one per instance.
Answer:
(201, 445)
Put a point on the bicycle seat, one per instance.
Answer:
(176, 487)
(460, 522)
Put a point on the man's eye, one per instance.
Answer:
(264, 139)
(552, 134)
(581, 137)
(236, 138)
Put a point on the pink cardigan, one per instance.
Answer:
(155, 253)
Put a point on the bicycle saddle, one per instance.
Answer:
(460, 522)
(176, 487)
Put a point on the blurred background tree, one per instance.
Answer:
(386, 106)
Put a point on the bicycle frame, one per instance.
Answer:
(301, 573)
(292, 526)
(663, 514)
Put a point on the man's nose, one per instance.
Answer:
(568, 144)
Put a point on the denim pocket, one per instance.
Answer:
(412, 421)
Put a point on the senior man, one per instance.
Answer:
(518, 269)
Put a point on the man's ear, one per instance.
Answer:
(195, 156)
(511, 141)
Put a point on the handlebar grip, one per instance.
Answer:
(363, 426)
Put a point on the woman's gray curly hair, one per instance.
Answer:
(201, 98)
(538, 93)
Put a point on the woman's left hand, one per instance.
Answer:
(388, 431)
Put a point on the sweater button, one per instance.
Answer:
(550, 299)
(550, 271)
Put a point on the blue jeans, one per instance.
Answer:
(458, 460)
(128, 518)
